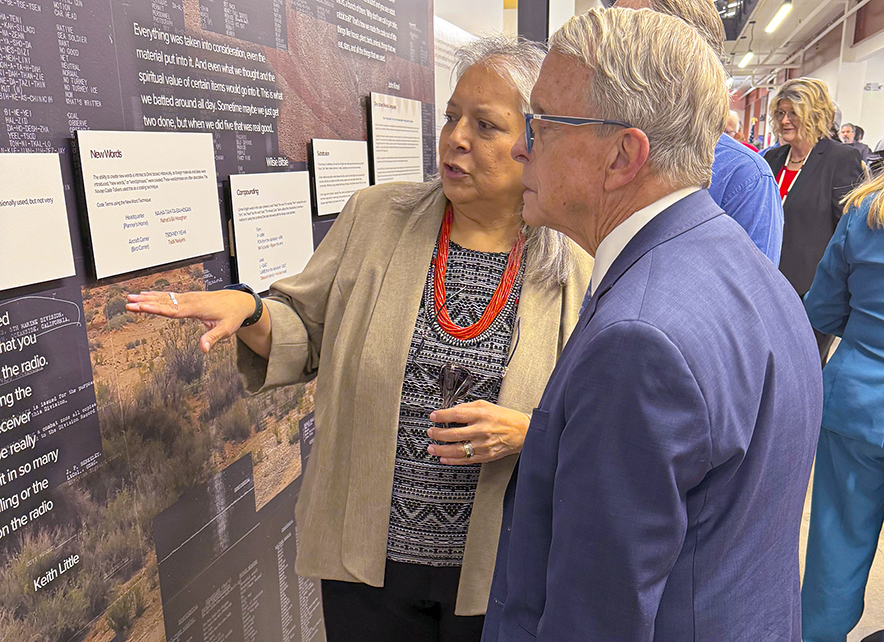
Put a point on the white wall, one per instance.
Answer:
(511, 22)
(872, 114)
(847, 79)
(560, 11)
(455, 23)
(482, 17)
(828, 73)
(858, 106)
(448, 37)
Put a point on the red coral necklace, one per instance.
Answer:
(498, 300)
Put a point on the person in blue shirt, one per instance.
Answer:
(846, 299)
(742, 182)
(744, 187)
(776, 144)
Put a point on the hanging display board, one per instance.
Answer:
(48, 423)
(151, 198)
(397, 142)
(340, 167)
(33, 215)
(272, 229)
(152, 498)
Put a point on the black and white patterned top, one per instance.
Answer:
(431, 502)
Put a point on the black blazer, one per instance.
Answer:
(812, 209)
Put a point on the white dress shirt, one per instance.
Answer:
(611, 246)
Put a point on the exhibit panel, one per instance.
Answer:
(395, 137)
(272, 228)
(143, 494)
(150, 198)
(340, 167)
(32, 197)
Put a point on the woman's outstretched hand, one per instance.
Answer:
(222, 312)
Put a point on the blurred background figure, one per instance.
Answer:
(813, 173)
(860, 133)
(846, 299)
(734, 128)
(776, 143)
(852, 137)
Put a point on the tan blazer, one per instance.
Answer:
(349, 318)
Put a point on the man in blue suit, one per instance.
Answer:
(660, 489)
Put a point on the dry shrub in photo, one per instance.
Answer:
(224, 386)
(182, 353)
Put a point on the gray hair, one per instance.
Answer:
(701, 15)
(655, 72)
(518, 61)
(514, 59)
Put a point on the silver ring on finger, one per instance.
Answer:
(468, 449)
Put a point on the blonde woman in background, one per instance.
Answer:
(846, 299)
(813, 173)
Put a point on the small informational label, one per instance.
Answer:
(307, 434)
(273, 232)
(340, 167)
(33, 215)
(397, 143)
(151, 198)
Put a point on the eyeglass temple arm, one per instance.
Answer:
(575, 120)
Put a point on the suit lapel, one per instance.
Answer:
(678, 218)
(686, 214)
(778, 158)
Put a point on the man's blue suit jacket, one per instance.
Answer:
(660, 489)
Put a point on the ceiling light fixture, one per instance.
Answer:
(749, 54)
(775, 22)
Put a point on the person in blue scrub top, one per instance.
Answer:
(847, 507)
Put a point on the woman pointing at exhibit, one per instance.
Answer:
(421, 297)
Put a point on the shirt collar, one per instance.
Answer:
(612, 245)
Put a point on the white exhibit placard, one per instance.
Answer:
(272, 228)
(397, 142)
(340, 167)
(35, 240)
(151, 198)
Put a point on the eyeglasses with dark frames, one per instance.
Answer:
(454, 382)
(564, 120)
